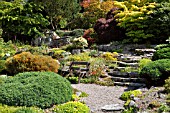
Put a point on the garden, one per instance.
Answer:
(49, 46)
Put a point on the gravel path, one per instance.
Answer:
(100, 96)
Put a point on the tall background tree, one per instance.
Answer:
(60, 12)
(21, 20)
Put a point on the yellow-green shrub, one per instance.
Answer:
(126, 95)
(110, 56)
(58, 53)
(72, 107)
(79, 57)
(13, 109)
(26, 61)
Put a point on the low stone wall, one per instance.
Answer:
(124, 48)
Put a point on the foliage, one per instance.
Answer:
(164, 108)
(79, 43)
(21, 18)
(106, 28)
(72, 107)
(97, 66)
(79, 57)
(167, 85)
(58, 53)
(163, 53)
(130, 110)
(59, 11)
(74, 33)
(159, 22)
(7, 49)
(133, 16)
(75, 97)
(41, 89)
(2, 65)
(160, 46)
(143, 62)
(109, 56)
(156, 72)
(89, 80)
(92, 10)
(126, 95)
(28, 110)
(105, 82)
(26, 61)
(73, 80)
(12, 109)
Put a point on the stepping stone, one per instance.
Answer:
(112, 107)
(130, 84)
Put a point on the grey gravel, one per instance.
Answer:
(100, 96)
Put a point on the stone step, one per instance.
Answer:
(144, 51)
(124, 64)
(124, 74)
(129, 58)
(125, 69)
(129, 84)
(134, 80)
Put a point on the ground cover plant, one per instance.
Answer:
(72, 107)
(14, 109)
(41, 89)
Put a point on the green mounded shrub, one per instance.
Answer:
(14, 109)
(26, 61)
(72, 107)
(41, 89)
(156, 72)
(126, 95)
(163, 53)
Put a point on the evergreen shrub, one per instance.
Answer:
(162, 53)
(41, 89)
(26, 61)
(72, 107)
(156, 72)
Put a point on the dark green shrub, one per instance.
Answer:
(42, 89)
(26, 61)
(72, 107)
(163, 53)
(126, 95)
(156, 72)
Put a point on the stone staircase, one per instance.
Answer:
(126, 73)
